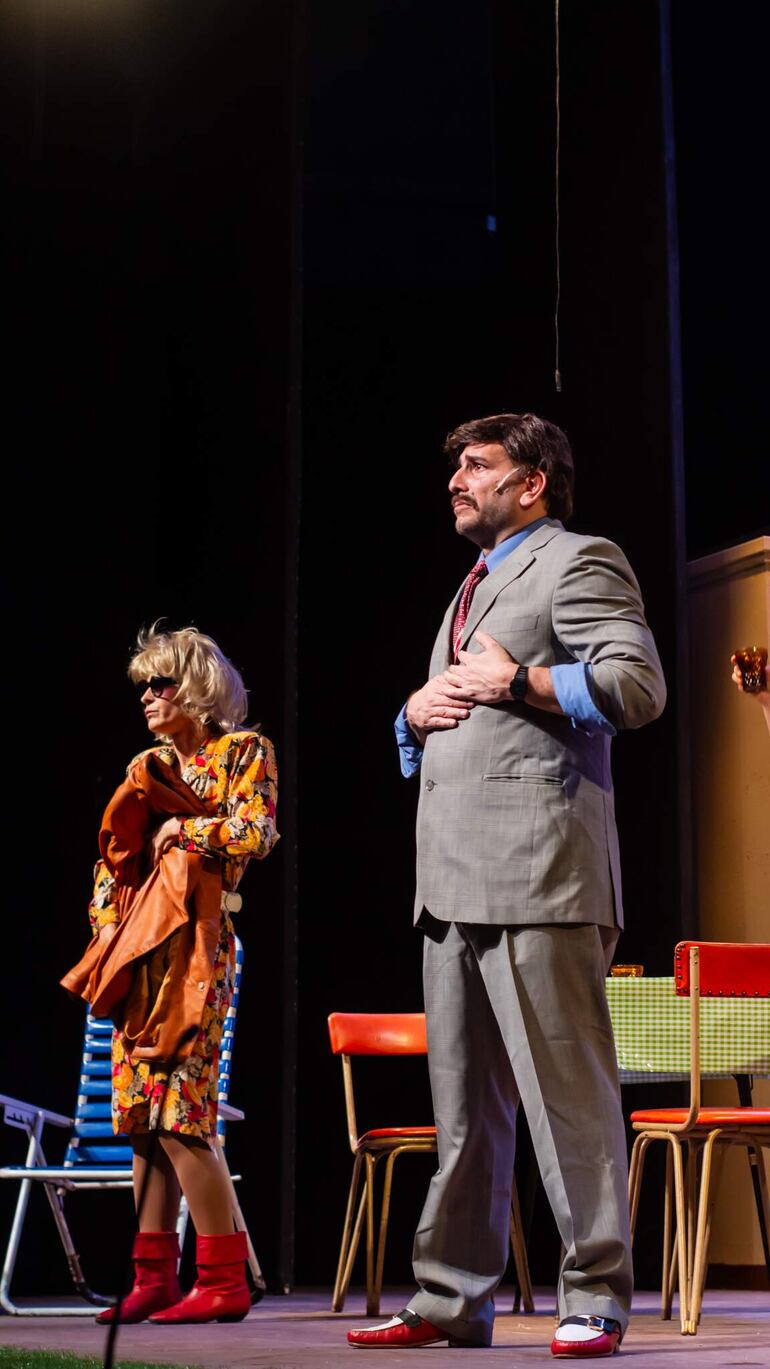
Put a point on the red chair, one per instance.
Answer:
(730, 971)
(388, 1034)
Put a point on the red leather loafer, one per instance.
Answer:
(405, 1331)
(592, 1338)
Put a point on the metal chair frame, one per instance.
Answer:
(391, 1034)
(692, 1183)
(95, 1159)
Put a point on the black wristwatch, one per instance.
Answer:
(518, 685)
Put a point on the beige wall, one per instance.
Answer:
(729, 607)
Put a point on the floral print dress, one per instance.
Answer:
(235, 775)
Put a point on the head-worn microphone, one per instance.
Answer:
(501, 484)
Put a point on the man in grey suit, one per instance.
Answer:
(542, 655)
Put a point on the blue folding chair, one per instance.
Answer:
(97, 1159)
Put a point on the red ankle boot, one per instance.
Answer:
(221, 1292)
(156, 1256)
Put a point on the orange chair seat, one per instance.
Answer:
(397, 1134)
(745, 1118)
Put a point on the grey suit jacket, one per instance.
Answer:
(516, 820)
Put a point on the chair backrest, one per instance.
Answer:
(724, 969)
(378, 1033)
(93, 1142)
(373, 1033)
(728, 969)
(228, 1037)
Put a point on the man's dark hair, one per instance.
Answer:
(529, 441)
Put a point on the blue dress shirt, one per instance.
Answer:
(572, 683)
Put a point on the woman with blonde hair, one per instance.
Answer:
(209, 787)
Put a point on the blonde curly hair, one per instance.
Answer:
(209, 687)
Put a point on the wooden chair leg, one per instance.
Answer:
(239, 1222)
(384, 1215)
(635, 1172)
(371, 1302)
(681, 1230)
(699, 1262)
(562, 1253)
(340, 1284)
(691, 1181)
(716, 1176)
(354, 1244)
(669, 1254)
(673, 1273)
(519, 1249)
(182, 1221)
(758, 1149)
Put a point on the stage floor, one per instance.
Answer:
(299, 1331)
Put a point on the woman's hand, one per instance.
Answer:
(737, 677)
(762, 695)
(106, 932)
(164, 837)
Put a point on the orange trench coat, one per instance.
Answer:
(152, 977)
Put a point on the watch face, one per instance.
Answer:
(518, 684)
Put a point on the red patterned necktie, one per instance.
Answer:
(461, 616)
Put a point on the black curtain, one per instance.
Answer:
(429, 292)
(147, 231)
(258, 242)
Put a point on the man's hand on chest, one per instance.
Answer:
(485, 676)
(439, 706)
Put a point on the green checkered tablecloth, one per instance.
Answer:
(652, 1032)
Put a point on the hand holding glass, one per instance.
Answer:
(752, 663)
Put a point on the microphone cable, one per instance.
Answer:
(154, 1132)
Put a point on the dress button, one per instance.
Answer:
(430, 784)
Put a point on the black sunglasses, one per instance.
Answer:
(156, 685)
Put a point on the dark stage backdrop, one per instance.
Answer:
(162, 275)
(147, 231)
(428, 127)
(719, 101)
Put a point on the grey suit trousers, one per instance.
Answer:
(520, 1014)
